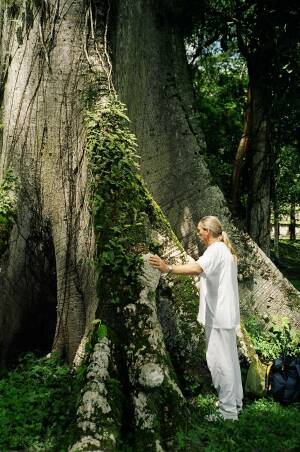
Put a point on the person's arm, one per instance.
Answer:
(191, 269)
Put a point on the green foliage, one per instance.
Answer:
(206, 403)
(265, 30)
(287, 177)
(263, 425)
(220, 83)
(38, 405)
(185, 293)
(266, 35)
(276, 340)
(97, 332)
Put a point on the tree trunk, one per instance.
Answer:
(260, 164)
(57, 67)
(253, 158)
(276, 229)
(242, 156)
(43, 144)
(292, 227)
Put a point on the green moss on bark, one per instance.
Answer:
(184, 336)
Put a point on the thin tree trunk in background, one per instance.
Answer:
(253, 153)
(241, 156)
(274, 196)
(292, 226)
(276, 228)
(260, 167)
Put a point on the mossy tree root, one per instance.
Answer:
(158, 403)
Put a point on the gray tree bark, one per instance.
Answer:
(52, 57)
(43, 143)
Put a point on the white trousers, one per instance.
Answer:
(223, 363)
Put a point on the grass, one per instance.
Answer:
(264, 425)
(37, 405)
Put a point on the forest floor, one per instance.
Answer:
(264, 425)
(289, 261)
(38, 402)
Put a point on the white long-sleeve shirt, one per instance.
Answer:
(219, 297)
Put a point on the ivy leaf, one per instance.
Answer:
(102, 331)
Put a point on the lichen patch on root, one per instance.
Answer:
(97, 429)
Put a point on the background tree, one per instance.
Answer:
(266, 36)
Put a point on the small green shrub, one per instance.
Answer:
(275, 340)
(38, 405)
(206, 403)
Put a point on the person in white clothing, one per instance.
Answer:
(218, 310)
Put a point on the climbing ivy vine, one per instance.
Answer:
(118, 204)
(123, 210)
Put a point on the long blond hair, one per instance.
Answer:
(214, 226)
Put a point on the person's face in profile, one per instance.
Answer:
(203, 235)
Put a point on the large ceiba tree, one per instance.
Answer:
(72, 263)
